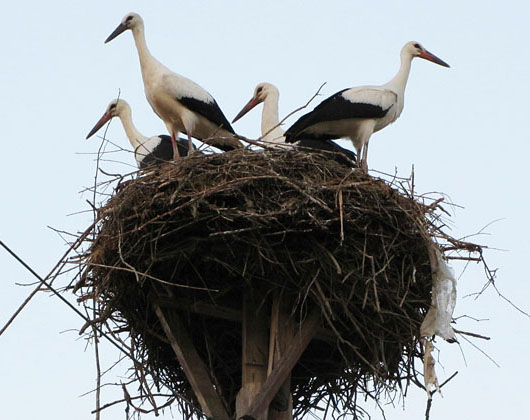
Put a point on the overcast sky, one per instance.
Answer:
(464, 129)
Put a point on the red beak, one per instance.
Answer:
(431, 57)
(121, 28)
(251, 104)
(106, 117)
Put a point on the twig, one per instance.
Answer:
(98, 365)
(129, 398)
(62, 298)
(429, 401)
(483, 337)
(59, 266)
(303, 106)
(482, 351)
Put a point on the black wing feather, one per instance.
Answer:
(341, 155)
(334, 108)
(163, 152)
(210, 111)
(226, 147)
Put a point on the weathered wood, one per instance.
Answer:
(193, 366)
(282, 332)
(255, 331)
(200, 308)
(221, 312)
(281, 371)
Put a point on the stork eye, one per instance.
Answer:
(259, 89)
(418, 46)
(113, 106)
(129, 18)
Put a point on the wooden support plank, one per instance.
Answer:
(282, 332)
(281, 371)
(255, 331)
(199, 308)
(221, 312)
(193, 366)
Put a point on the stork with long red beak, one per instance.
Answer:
(269, 95)
(147, 150)
(359, 112)
(181, 103)
(272, 133)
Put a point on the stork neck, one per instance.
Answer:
(270, 118)
(135, 137)
(399, 82)
(147, 61)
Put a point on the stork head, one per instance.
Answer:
(415, 49)
(129, 21)
(262, 91)
(116, 108)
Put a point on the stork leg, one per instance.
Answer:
(359, 145)
(364, 165)
(190, 145)
(359, 153)
(176, 154)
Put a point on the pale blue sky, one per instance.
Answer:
(464, 129)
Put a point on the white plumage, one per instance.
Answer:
(359, 112)
(272, 133)
(269, 95)
(181, 103)
(147, 150)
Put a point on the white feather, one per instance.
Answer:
(371, 95)
(182, 87)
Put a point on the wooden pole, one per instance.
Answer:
(193, 366)
(260, 404)
(190, 361)
(254, 353)
(282, 332)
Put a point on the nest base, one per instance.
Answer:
(288, 233)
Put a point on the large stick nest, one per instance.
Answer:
(276, 222)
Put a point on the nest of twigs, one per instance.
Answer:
(214, 227)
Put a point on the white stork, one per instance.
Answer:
(270, 124)
(270, 121)
(181, 103)
(147, 150)
(360, 111)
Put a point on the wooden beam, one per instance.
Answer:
(193, 366)
(281, 371)
(255, 332)
(199, 308)
(221, 312)
(282, 332)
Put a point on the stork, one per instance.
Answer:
(181, 103)
(270, 124)
(147, 150)
(270, 121)
(359, 112)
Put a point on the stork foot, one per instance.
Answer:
(190, 145)
(362, 165)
